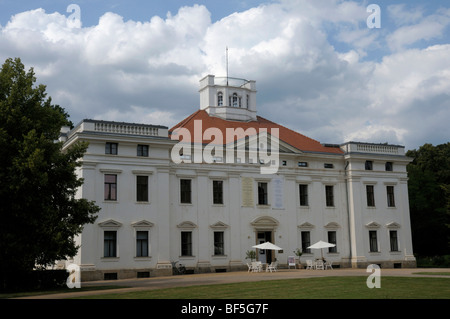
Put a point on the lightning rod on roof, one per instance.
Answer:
(227, 63)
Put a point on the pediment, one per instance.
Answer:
(110, 223)
(286, 148)
(265, 222)
(306, 225)
(143, 223)
(393, 225)
(373, 225)
(187, 225)
(219, 225)
(332, 225)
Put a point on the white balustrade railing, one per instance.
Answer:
(122, 128)
(377, 148)
(372, 148)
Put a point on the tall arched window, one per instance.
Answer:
(235, 100)
(219, 99)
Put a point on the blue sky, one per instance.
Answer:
(318, 67)
(92, 10)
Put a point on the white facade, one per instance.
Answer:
(207, 216)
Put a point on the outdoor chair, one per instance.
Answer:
(309, 264)
(260, 266)
(329, 264)
(273, 266)
(319, 264)
(256, 266)
(249, 267)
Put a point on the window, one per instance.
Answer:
(142, 150)
(370, 196)
(217, 192)
(284, 163)
(393, 240)
(332, 240)
(110, 244)
(327, 165)
(390, 196)
(389, 166)
(373, 242)
(186, 243)
(306, 242)
(329, 196)
(262, 193)
(218, 243)
(185, 191)
(219, 99)
(110, 187)
(142, 244)
(142, 188)
(235, 100)
(369, 165)
(303, 192)
(302, 164)
(248, 101)
(111, 148)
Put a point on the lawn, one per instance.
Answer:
(305, 288)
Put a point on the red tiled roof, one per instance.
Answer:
(297, 140)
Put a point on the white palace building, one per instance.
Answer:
(163, 199)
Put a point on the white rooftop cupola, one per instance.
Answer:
(228, 98)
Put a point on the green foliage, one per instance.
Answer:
(298, 252)
(429, 198)
(434, 261)
(250, 254)
(39, 213)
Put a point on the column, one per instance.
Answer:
(162, 251)
(357, 229)
(203, 203)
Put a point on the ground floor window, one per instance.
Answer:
(306, 242)
(110, 244)
(332, 240)
(373, 241)
(142, 244)
(393, 240)
(186, 243)
(218, 243)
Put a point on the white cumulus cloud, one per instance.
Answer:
(311, 61)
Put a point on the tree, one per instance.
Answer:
(39, 214)
(429, 198)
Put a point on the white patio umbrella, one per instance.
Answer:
(321, 244)
(267, 245)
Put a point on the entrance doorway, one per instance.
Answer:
(264, 255)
